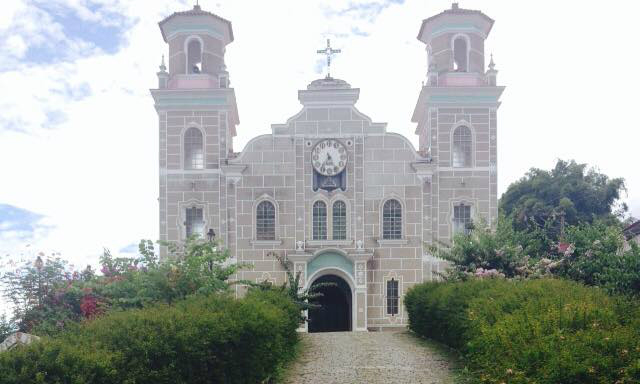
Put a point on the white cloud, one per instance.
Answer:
(15, 46)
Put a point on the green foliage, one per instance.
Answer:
(541, 331)
(47, 296)
(197, 267)
(484, 250)
(542, 201)
(44, 291)
(596, 257)
(540, 216)
(6, 328)
(291, 288)
(203, 339)
(591, 253)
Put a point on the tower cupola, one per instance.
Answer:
(454, 41)
(197, 43)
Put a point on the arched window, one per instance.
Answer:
(462, 146)
(194, 56)
(460, 54)
(193, 149)
(339, 213)
(265, 221)
(319, 220)
(392, 220)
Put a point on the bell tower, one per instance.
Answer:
(198, 116)
(456, 116)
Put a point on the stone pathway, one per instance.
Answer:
(368, 357)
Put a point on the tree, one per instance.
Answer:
(46, 295)
(569, 194)
(596, 256)
(194, 267)
(33, 291)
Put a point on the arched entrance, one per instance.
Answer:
(334, 313)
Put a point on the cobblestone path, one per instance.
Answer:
(373, 357)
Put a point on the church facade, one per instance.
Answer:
(329, 189)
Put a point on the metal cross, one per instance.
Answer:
(328, 51)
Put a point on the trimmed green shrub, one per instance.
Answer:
(214, 339)
(544, 331)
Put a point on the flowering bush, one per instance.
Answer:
(589, 253)
(47, 295)
(488, 273)
(484, 250)
(543, 331)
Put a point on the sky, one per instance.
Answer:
(79, 134)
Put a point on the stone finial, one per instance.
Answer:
(492, 73)
(163, 67)
(492, 65)
(163, 75)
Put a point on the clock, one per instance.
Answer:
(329, 157)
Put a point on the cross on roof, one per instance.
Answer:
(328, 51)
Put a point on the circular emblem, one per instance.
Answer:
(329, 157)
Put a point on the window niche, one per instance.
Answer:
(194, 56)
(460, 54)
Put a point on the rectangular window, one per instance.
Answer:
(462, 219)
(392, 297)
(194, 222)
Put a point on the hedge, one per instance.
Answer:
(544, 331)
(213, 339)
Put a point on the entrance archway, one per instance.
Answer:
(334, 313)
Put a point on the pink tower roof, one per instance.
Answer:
(431, 24)
(197, 11)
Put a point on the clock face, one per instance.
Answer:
(329, 157)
